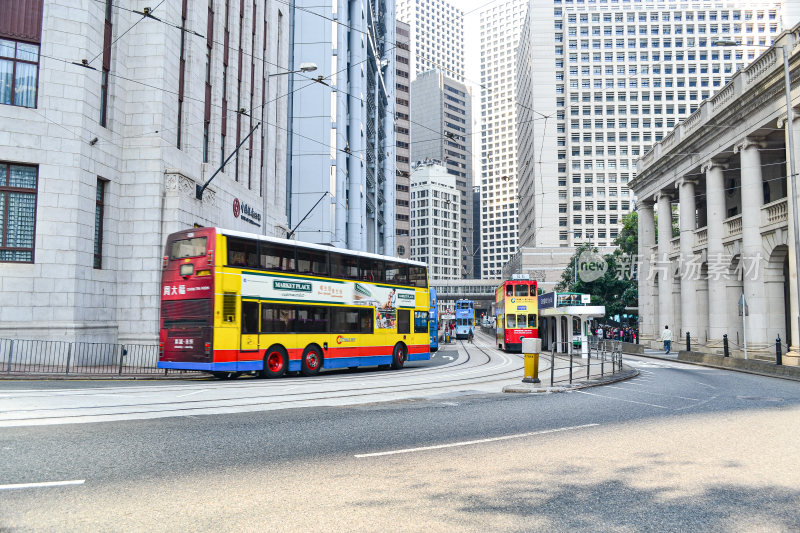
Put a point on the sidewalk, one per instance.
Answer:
(748, 366)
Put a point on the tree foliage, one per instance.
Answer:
(617, 288)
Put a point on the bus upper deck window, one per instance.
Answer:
(521, 290)
(277, 257)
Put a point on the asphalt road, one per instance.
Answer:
(679, 448)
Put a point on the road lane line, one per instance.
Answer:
(192, 393)
(17, 486)
(621, 400)
(653, 393)
(470, 442)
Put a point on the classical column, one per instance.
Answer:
(647, 239)
(689, 272)
(752, 257)
(664, 269)
(715, 215)
(794, 349)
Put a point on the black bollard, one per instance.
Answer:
(688, 342)
(778, 355)
(725, 345)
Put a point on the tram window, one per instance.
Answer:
(510, 290)
(250, 317)
(521, 322)
(277, 257)
(520, 290)
(396, 273)
(531, 321)
(312, 262)
(511, 321)
(370, 269)
(242, 253)
(344, 266)
(420, 322)
(417, 276)
(276, 319)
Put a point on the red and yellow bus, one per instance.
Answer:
(516, 312)
(234, 302)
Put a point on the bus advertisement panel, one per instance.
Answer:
(516, 312)
(235, 302)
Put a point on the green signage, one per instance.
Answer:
(298, 286)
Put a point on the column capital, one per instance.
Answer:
(646, 203)
(783, 116)
(714, 163)
(669, 195)
(686, 181)
(748, 142)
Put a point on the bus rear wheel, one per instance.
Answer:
(399, 356)
(312, 361)
(276, 362)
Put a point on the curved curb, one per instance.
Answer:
(526, 388)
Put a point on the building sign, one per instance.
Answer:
(547, 301)
(520, 276)
(246, 213)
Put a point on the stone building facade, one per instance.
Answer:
(120, 117)
(724, 172)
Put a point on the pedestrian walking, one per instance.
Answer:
(470, 335)
(666, 336)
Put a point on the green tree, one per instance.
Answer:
(617, 288)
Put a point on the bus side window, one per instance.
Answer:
(277, 257)
(532, 321)
(242, 253)
(344, 266)
(418, 276)
(250, 317)
(420, 322)
(403, 321)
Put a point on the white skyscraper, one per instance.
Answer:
(437, 36)
(435, 227)
(600, 82)
(500, 25)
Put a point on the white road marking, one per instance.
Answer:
(621, 400)
(654, 393)
(471, 442)
(192, 393)
(42, 484)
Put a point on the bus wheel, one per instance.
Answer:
(275, 362)
(399, 356)
(226, 375)
(312, 361)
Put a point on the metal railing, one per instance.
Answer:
(19, 356)
(602, 358)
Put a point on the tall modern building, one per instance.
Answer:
(600, 82)
(437, 36)
(403, 142)
(500, 25)
(441, 129)
(99, 163)
(435, 227)
(341, 186)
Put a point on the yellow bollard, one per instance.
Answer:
(531, 349)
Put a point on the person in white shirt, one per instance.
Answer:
(666, 336)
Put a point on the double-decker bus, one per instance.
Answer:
(234, 302)
(465, 318)
(434, 321)
(516, 311)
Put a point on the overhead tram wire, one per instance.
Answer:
(144, 16)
